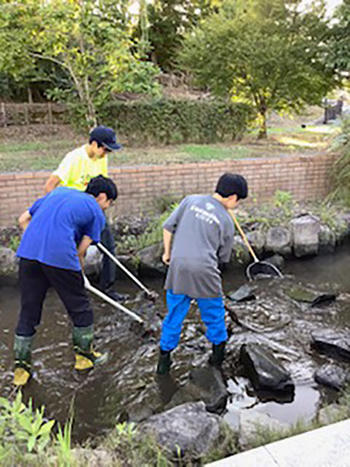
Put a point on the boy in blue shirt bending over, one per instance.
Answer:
(197, 237)
(58, 229)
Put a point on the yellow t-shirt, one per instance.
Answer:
(77, 169)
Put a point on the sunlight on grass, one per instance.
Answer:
(323, 129)
(208, 152)
(288, 140)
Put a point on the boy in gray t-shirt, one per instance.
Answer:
(197, 237)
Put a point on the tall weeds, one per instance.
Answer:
(341, 173)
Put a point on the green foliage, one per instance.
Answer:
(64, 444)
(168, 21)
(152, 235)
(339, 50)
(341, 172)
(284, 201)
(266, 53)
(175, 121)
(91, 42)
(14, 242)
(22, 430)
(264, 435)
(132, 449)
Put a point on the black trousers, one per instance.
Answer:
(108, 271)
(35, 278)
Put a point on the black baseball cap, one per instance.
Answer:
(105, 137)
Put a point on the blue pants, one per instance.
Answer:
(212, 313)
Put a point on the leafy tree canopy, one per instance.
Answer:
(268, 53)
(168, 20)
(90, 40)
(339, 56)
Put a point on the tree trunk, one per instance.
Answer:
(30, 95)
(262, 125)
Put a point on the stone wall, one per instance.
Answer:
(306, 177)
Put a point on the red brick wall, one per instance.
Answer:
(306, 177)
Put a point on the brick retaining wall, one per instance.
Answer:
(306, 177)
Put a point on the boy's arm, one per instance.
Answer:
(167, 236)
(52, 182)
(225, 249)
(24, 220)
(62, 173)
(83, 246)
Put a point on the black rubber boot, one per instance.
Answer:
(114, 295)
(85, 356)
(218, 354)
(164, 362)
(23, 356)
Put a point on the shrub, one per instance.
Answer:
(341, 173)
(165, 121)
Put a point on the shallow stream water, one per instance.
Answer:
(126, 388)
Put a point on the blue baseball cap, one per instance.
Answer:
(105, 137)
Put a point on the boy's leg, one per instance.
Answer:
(108, 271)
(213, 315)
(33, 288)
(178, 306)
(70, 287)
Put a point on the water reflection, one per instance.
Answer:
(126, 388)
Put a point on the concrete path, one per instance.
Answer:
(328, 446)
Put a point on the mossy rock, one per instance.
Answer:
(300, 294)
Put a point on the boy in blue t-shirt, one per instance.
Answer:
(58, 229)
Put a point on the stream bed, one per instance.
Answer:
(126, 388)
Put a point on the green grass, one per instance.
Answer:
(46, 152)
(203, 152)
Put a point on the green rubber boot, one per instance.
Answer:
(23, 359)
(164, 362)
(218, 354)
(85, 356)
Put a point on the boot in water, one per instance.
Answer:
(85, 356)
(218, 354)
(23, 356)
(164, 362)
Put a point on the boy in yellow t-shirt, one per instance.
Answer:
(77, 168)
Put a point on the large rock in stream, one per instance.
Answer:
(279, 240)
(206, 384)
(332, 376)
(305, 232)
(188, 428)
(150, 259)
(263, 370)
(8, 264)
(332, 343)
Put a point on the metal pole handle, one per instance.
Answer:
(109, 300)
(122, 267)
(250, 249)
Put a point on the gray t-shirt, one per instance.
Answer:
(203, 237)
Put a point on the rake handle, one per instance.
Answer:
(122, 267)
(112, 302)
(239, 228)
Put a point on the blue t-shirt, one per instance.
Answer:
(59, 221)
